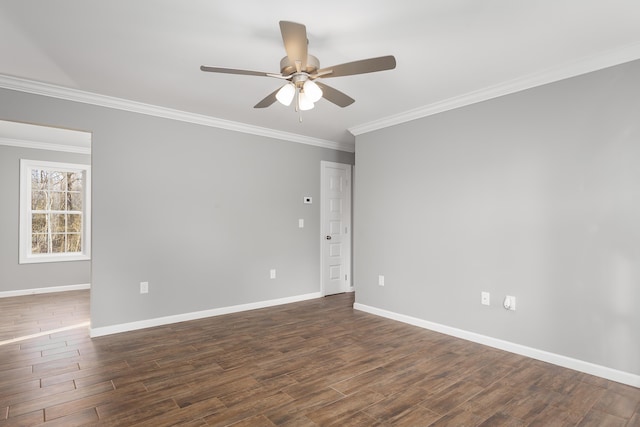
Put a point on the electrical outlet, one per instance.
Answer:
(300, 223)
(485, 298)
(380, 280)
(272, 273)
(144, 287)
(510, 303)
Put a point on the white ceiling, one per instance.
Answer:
(150, 51)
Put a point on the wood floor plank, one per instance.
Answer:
(312, 363)
(57, 398)
(81, 418)
(254, 421)
(131, 405)
(297, 407)
(458, 417)
(8, 389)
(552, 416)
(602, 419)
(450, 398)
(88, 376)
(617, 404)
(193, 414)
(238, 413)
(414, 416)
(484, 404)
(27, 420)
(93, 401)
(134, 415)
(501, 419)
(36, 393)
(261, 390)
(394, 406)
(635, 420)
(340, 411)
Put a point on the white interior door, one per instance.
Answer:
(336, 227)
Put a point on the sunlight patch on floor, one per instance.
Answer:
(43, 333)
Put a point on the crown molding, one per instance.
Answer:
(44, 146)
(627, 53)
(69, 94)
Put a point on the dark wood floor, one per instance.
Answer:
(313, 363)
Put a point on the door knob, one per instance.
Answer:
(328, 237)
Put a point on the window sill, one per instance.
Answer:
(37, 259)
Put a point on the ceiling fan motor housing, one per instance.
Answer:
(288, 67)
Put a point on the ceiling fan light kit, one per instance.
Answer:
(304, 103)
(286, 93)
(312, 91)
(300, 70)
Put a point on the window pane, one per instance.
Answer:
(58, 223)
(57, 243)
(39, 223)
(38, 179)
(74, 223)
(74, 243)
(74, 181)
(38, 200)
(39, 244)
(57, 180)
(58, 201)
(74, 201)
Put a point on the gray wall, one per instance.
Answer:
(535, 194)
(200, 213)
(20, 277)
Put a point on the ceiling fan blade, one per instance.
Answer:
(335, 96)
(363, 66)
(294, 36)
(234, 71)
(266, 102)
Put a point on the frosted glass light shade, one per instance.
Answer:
(304, 103)
(312, 91)
(286, 93)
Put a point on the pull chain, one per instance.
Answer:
(298, 110)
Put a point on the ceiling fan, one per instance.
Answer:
(302, 70)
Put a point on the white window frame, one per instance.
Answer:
(26, 256)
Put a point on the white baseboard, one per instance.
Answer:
(19, 293)
(556, 359)
(159, 321)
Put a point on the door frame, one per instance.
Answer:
(348, 235)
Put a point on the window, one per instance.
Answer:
(54, 211)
